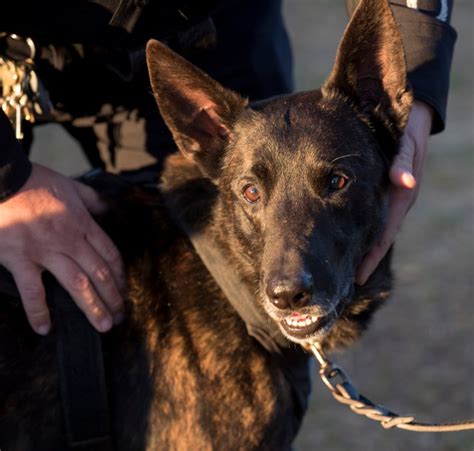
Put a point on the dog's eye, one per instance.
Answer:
(251, 194)
(337, 182)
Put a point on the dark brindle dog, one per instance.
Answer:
(292, 193)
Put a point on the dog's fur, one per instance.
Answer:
(183, 372)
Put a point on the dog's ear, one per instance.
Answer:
(370, 67)
(199, 112)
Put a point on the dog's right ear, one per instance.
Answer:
(199, 112)
(370, 67)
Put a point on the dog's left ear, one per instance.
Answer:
(199, 112)
(370, 67)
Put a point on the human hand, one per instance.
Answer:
(47, 226)
(405, 174)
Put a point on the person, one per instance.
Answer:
(90, 58)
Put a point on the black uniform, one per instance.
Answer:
(97, 79)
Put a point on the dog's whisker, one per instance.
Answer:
(346, 156)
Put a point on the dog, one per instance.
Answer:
(292, 192)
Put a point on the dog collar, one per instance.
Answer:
(258, 324)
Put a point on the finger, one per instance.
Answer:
(28, 281)
(102, 278)
(76, 282)
(399, 204)
(107, 250)
(91, 199)
(401, 171)
(371, 261)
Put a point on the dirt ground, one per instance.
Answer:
(418, 357)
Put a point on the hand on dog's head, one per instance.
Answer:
(301, 178)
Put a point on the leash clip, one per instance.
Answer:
(334, 376)
(331, 374)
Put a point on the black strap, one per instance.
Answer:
(80, 366)
(82, 374)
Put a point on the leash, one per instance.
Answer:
(343, 391)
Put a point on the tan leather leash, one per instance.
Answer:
(342, 389)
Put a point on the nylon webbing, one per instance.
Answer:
(81, 374)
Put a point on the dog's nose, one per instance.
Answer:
(295, 292)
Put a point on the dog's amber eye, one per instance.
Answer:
(337, 182)
(251, 194)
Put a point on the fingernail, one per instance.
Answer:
(43, 329)
(118, 318)
(105, 325)
(408, 180)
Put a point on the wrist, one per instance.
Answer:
(420, 120)
(424, 111)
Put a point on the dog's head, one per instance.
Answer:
(301, 178)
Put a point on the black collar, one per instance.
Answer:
(258, 324)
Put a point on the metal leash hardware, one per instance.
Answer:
(21, 94)
(342, 389)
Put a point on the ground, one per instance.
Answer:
(417, 358)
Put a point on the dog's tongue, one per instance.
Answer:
(296, 315)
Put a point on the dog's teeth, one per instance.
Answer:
(301, 322)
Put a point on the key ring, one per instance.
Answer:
(27, 40)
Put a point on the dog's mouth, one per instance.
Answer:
(297, 326)
(311, 322)
(301, 326)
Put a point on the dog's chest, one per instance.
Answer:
(192, 378)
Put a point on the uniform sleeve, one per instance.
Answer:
(429, 40)
(15, 168)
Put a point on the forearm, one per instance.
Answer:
(429, 44)
(15, 167)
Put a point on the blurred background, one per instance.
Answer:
(418, 356)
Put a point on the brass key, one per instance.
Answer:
(21, 97)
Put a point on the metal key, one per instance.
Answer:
(22, 97)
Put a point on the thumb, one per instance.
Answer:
(401, 171)
(91, 198)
